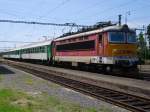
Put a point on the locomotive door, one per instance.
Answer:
(101, 45)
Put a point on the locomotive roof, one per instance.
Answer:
(36, 44)
(109, 28)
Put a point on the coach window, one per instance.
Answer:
(38, 50)
(29, 50)
(33, 50)
(42, 49)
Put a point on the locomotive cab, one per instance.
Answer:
(119, 48)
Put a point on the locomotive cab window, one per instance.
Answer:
(131, 37)
(117, 37)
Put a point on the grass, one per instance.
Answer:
(28, 80)
(7, 97)
(16, 101)
(53, 85)
(0, 77)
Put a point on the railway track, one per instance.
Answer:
(145, 76)
(127, 101)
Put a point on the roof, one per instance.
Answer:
(109, 28)
(37, 44)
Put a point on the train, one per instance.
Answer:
(111, 48)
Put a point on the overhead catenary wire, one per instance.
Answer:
(15, 42)
(6, 47)
(42, 23)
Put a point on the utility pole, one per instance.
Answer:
(145, 38)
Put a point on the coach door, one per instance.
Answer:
(101, 45)
(48, 52)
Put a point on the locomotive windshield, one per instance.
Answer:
(131, 37)
(122, 37)
(116, 37)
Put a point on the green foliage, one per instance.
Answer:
(141, 46)
(141, 41)
(28, 80)
(148, 31)
(7, 96)
(0, 77)
(143, 51)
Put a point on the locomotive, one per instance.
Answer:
(109, 47)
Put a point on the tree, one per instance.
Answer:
(141, 46)
(148, 32)
(141, 42)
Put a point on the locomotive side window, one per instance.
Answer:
(86, 45)
(100, 38)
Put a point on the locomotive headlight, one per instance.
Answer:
(114, 50)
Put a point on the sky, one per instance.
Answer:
(84, 12)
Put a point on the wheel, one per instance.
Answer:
(108, 69)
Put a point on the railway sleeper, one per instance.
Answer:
(115, 96)
(146, 107)
(132, 101)
(140, 103)
(128, 99)
(121, 97)
(108, 94)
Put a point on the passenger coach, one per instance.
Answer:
(40, 51)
